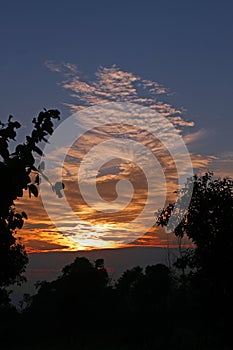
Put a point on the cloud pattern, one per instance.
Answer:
(111, 84)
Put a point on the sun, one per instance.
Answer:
(95, 236)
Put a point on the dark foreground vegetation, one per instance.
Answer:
(151, 309)
(186, 306)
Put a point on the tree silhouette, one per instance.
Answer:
(100, 311)
(129, 280)
(79, 293)
(146, 309)
(158, 284)
(18, 174)
(208, 223)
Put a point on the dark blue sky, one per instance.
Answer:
(185, 45)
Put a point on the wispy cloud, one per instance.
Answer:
(194, 136)
(223, 164)
(112, 84)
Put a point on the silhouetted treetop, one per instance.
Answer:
(18, 174)
(208, 223)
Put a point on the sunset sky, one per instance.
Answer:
(174, 57)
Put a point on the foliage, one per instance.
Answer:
(80, 291)
(145, 309)
(83, 293)
(18, 174)
(155, 307)
(208, 222)
(152, 307)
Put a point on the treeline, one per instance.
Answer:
(154, 308)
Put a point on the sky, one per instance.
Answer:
(175, 57)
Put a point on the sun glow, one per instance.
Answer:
(111, 204)
(91, 238)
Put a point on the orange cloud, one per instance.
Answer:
(111, 84)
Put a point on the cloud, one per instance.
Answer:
(223, 164)
(53, 67)
(194, 136)
(38, 232)
(202, 164)
(81, 225)
(66, 69)
(113, 84)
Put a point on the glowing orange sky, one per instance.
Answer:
(39, 233)
(113, 84)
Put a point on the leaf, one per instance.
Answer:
(41, 166)
(38, 150)
(18, 216)
(59, 194)
(58, 187)
(24, 215)
(33, 189)
(17, 125)
(37, 180)
(19, 223)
